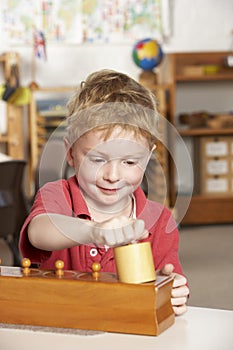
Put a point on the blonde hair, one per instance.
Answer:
(108, 99)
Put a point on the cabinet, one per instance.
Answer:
(198, 80)
(47, 110)
(11, 139)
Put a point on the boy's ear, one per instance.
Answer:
(69, 153)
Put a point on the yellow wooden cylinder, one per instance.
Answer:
(134, 263)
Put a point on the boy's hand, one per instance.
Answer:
(180, 291)
(118, 231)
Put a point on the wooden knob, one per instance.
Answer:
(96, 267)
(26, 263)
(59, 265)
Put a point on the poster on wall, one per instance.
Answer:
(80, 21)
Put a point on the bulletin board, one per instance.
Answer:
(80, 21)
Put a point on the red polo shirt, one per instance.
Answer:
(64, 197)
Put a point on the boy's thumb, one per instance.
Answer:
(167, 269)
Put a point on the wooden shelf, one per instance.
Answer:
(205, 131)
(205, 78)
(198, 68)
(164, 94)
(43, 122)
(198, 62)
(208, 210)
(4, 138)
(55, 89)
(13, 138)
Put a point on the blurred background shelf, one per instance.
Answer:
(200, 82)
(47, 115)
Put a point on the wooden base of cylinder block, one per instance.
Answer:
(90, 301)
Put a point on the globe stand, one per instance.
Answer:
(148, 79)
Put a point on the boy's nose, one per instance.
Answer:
(111, 171)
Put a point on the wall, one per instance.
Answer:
(197, 26)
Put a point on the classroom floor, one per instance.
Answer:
(206, 254)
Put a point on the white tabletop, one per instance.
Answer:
(198, 329)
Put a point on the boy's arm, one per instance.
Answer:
(55, 231)
(51, 231)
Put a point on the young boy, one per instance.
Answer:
(111, 134)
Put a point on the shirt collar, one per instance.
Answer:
(79, 205)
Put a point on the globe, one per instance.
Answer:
(147, 54)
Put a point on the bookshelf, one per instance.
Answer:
(47, 111)
(191, 73)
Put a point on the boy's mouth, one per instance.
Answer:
(108, 190)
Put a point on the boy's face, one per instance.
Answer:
(109, 171)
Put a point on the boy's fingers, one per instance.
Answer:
(179, 310)
(167, 269)
(139, 226)
(179, 280)
(145, 234)
(178, 301)
(180, 292)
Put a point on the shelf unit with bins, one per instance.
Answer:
(197, 69)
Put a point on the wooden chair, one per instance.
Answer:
(13, 205)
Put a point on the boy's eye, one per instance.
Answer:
(97, 160)
(130, 162)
